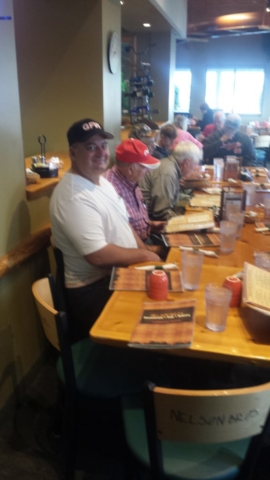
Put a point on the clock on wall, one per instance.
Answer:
(114, 51)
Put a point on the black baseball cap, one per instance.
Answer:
(84, 129)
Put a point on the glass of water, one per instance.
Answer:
(217, 301)
(227, 236)
(191, 269)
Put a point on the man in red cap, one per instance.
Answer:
(133, 160)
(90, 225)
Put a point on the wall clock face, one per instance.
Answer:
(114, 52)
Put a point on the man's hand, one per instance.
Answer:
(227, 135)
(157, 227)
(194, 173)
(237, 148)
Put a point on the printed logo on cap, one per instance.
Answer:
(146, 152)
(90, 125)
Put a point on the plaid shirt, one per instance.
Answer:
(132, 196)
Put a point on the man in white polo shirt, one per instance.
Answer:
(90, 225)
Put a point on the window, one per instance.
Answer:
(182, 87)
(235, 91)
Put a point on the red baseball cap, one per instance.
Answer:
(135, 151)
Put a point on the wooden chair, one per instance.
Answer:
(59, 289)
(198, 435)
(92, 375)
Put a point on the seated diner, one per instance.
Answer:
(161, 188)
(90, 225)
(129, 169)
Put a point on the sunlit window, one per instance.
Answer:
(182, 88)
(235, 91)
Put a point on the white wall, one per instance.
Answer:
(250, 51)
(175, 12)
(12, 179)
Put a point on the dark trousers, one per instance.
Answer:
(85, 305)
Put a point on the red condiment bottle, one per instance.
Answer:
(158, 285)
(235, 285)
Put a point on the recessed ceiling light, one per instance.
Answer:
(122, 2)
(147, 25)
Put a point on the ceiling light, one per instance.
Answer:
(122, 2)
(267, 6)
(147, 25)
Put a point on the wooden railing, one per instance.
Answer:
(32, 245)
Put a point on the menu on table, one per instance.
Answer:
(256, 288)
(265, 224)
(165, 325)
(137, 280)
(205, 200)
(191, 240)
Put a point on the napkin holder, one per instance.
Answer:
(44, 169)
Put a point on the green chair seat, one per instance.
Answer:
(182, 460)
(103, 371)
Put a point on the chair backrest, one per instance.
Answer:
(55, 327)
(211, 416)
(262, 141)
(61, 294)
(44, 302)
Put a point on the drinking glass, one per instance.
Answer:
(267, 209)
(262, 260)
(218, 169)
(227, 236)
(238, 218)
(217, 301)
(191, 269)
(250, 188)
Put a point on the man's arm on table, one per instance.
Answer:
(114, 256)
(211, 145)
(160, 250)
(217, 144)
(249, 154)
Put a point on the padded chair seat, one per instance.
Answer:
(182, 460)
(104, 372)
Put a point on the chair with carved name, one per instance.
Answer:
(197, 435)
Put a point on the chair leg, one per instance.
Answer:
(58, 414)
(69, 438)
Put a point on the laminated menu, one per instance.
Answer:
(205, 200)
(188, 222)
(194, 240)
(137, 280)
(165, 325)
(256, 288)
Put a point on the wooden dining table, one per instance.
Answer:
(246, 338)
